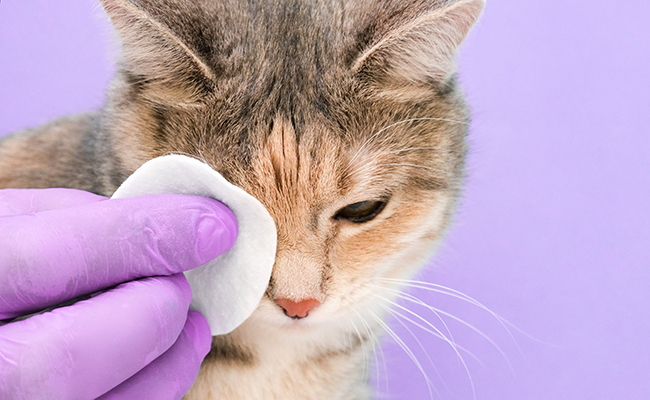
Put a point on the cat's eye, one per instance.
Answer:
(360, 212)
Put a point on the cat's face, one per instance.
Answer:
(348, 213)
(344, 120)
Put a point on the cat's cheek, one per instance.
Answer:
(424, 236)
(393, 249)
(371, 249)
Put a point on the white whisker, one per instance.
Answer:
(437, 333)
(462, 296)
(363, 348)
(372, 338)
(415, 300)
(397, 314)
(406, 349)
(442, 336)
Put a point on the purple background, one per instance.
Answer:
(552, 233)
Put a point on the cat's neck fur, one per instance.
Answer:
(257, 362)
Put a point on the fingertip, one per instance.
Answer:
(198, 331)
(216, 232)
(230, 221)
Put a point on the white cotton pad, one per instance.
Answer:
(229, 288)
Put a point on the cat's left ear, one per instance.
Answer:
(155, 57)
(420, 52)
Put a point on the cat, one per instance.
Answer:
(344, 118)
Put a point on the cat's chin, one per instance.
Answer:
(301, 326)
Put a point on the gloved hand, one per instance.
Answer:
(133, 341)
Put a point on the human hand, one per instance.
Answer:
(135, 340)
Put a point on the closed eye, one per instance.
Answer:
(361, 212)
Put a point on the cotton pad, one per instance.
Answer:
(227, 289)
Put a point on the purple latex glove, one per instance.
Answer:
(136, 340)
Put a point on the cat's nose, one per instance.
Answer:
(297, 310)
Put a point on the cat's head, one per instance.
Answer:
(344, 118)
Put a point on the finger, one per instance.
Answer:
(83, 350)
(28, 201)
(172, 374)
(50, 257)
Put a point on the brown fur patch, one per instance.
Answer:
(226, 350)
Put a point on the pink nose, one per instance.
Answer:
(297, 310)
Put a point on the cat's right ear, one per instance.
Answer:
(412, 48)
(155, 58)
